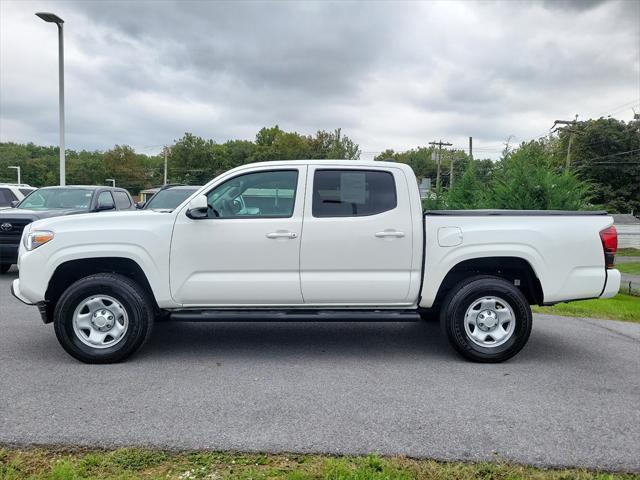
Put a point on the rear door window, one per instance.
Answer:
(105, 199)
(122, 200)
(353, 193)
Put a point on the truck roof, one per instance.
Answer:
(355, 163)
(85, 187)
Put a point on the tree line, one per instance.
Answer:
(604, 169)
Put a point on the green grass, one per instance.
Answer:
(620, 307)
(630, 268)
(628, 252)
(128, 464)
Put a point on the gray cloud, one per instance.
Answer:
(391, 74)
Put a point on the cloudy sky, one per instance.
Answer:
(391, 74)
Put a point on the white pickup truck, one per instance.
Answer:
(315, 240)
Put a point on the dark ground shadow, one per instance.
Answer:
(278, 339)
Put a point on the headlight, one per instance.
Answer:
(36, 238)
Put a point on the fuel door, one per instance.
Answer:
(449, 236)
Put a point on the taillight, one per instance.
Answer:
(609, 237)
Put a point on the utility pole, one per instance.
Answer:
(440, 144)
(453, 156)
(571, 133)
(165, 165)
(471, 148)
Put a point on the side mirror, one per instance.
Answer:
(197, 208)
(140, 205)
(14, 203)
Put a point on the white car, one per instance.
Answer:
(12, 193)
(315, 240)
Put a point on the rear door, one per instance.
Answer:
(247, 252)
(357, 239)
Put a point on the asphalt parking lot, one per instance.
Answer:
(571, 397)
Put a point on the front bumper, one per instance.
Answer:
(612, 285)
(15, 291)
(45, 312)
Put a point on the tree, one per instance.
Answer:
(606, 152)
(526, 179)
(122, 164)
(469, 192)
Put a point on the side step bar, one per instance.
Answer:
(295, 316)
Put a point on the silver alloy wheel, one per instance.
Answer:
(100, 321)
(489, 322)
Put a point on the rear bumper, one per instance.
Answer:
(612, 285)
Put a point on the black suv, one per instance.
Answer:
(50, 202)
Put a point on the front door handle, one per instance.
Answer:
(282, 234)
(390, 233)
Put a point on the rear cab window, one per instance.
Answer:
(352, 193)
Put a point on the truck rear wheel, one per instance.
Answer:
(486, 319)
(103, 318)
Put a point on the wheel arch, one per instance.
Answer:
(73, 270)
(516, 270)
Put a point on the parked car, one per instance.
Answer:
(12, 193)
(169, 197)
(311, 240)
(54, 202)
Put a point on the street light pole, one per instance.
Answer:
(18, 169)
(53, 18)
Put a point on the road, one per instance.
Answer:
(571, 397)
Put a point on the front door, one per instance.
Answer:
(357, 246)
(247, 250)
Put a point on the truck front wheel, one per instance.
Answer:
(486, 319)
(103, 318)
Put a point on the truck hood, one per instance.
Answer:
(34, 215)
(110, 220)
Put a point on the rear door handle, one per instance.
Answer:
(282, 234)
(390, 233)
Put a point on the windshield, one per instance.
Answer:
(170, 198)
(57, 198)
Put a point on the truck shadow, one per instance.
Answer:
(414, 341)
(277, 339)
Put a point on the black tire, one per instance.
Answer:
(129, 294)
(4, 267)
(463, 296)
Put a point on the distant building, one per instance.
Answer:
(628, 228)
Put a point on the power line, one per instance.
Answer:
(612, 155)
